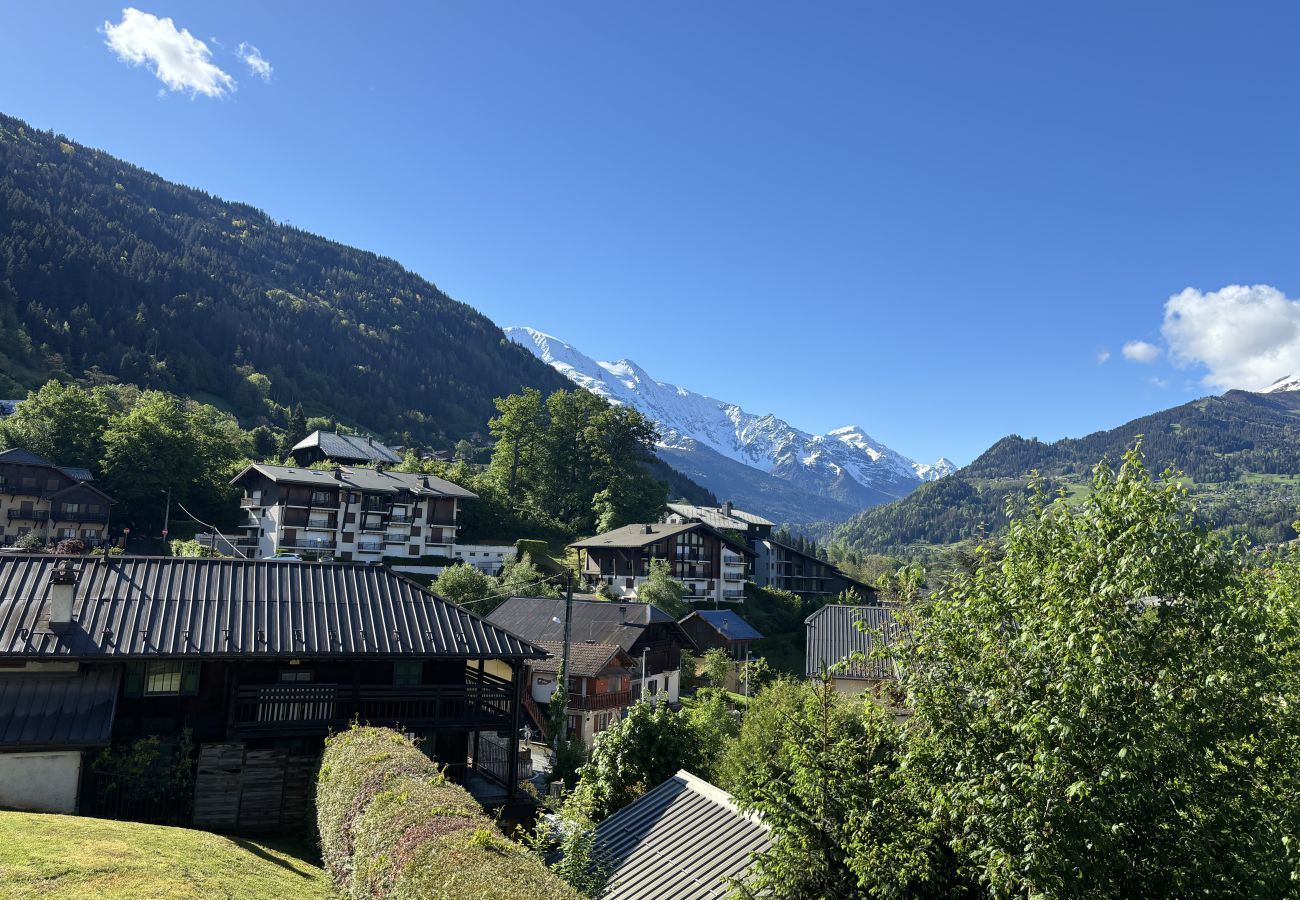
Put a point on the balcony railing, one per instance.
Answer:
(611, 700)
(401, 519)
(370, 546)
(31, 515)
(308, 708)
(306, 543)
(63, 514)
(252, 503)
(733, 576)
(733, 595)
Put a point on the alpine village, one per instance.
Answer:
(316, 583)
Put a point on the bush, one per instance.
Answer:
(71, 547)
(30, 541)
(392, 826)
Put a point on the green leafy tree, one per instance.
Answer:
(464, 584)
(520, 578)
(1111, 708)
(63, 423)
(688, 665)
(714, 724)
(518, 429)
(660, 589)
(717, 666)
(295, 430)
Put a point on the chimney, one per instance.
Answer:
(622, 615)
(726, 508)
(62, 590)
(649, 529)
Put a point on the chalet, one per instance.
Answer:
(55, 502)
(775, 563)
(348, 449)
(599, 682)
(255, 662)
(349, 513)
(834, 633)
(686, 839)
(648, 635)
(723, 629)
(712, 566)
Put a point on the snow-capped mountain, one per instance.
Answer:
(761, 462)
(1285, 383)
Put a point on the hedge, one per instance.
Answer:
(391, 826)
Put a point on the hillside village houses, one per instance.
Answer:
(55, 502)
(712, 566)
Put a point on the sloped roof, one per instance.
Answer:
(681, 841)
(586, 659)
(368, 480)
(718, 517)
(603, 621)
(23, 457)
(138, 606)
(69, 710)
(353, 447)
(728, 623)
(644, 534)
(831, 635)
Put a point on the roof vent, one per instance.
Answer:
(62, 590)
(649, 529)
(726, 508)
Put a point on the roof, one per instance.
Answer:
(831, 635)
(682, 840)
(602, 621)
(355, 447)
(812, 556)
(73, 709)
(646, 533)
(19, 456)
(728, 623)
(586, 660)
(367, 480)
(718, 517)
(139, 606)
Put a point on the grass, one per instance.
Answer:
(58, 857)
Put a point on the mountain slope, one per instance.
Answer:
(1240, 453)
(109, 270)
(761, 462)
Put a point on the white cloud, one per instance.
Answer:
(1102, 356)
(1247, 337)
(256, 62)
(1140, 351)
(1159, 382)
(181, 61)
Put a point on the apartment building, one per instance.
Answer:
(712, 566)
(56, 502)
(348, 513)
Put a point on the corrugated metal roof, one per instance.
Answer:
(170, 606)
(681, 841)
(635, 535)
(602, 621)
(74, 709)
(362, 480)
(831, 635)
(349, 446)
(729, 624)
(718, 517)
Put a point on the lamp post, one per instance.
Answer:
(167, 515)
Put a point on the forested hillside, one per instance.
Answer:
(1239, 453)
(110, 273)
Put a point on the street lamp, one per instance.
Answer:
(167, 516)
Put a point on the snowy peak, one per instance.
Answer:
(1285, 383)
(846, 465)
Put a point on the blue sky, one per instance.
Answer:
(931, 220)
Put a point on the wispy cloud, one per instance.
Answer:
(180, 61)
(1161, 383)
(1247, 337)
(1102, 356)
(256, 62)
(1141, 351)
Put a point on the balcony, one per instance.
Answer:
(733, 576)
(306, 543)
(370, 546)
(613, 700)
(252, 503)
(63, 514)
(733, 595)
(284, 709)
(30, 515)
(400, 519)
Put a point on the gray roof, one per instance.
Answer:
(681, 841)
(728, 623)
(831, 635)
(367, 480)
(19, 456)
(602, 621)
(635, 535)
(353, 447)
(68, 710)
(138, 606)
(716, 516)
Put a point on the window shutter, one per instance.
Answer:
(133, 685)
(190, 678)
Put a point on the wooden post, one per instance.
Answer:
(512, 759)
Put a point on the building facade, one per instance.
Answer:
(843, 642)
(712, 567)
(349, 513)
(599, 685)
(54, 502)
(721, 629)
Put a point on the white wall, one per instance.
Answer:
(40, 782)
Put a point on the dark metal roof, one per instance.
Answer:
(136, 606)
(718, 517)
(831, 635)
(728, 623)
(70, 710)
(681, 841)
(635, 535)
(603, 621)
(349, 447)
(19, 456)
(359, 479)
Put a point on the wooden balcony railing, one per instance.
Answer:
(307, 708)
(611, 700)
(31, 515)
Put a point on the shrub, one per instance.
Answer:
(391, 826)
(70, 547)
(30, 541)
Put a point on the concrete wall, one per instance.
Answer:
(40, 782)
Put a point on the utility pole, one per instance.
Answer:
(167, 516)
(564, 662)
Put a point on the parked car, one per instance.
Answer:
(284, 556)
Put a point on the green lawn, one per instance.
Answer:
(57, 857)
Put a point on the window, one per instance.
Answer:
(67, 533)
(51, 484)
(71, 509)
(161, 678)
(408, 671)
(295, 676)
